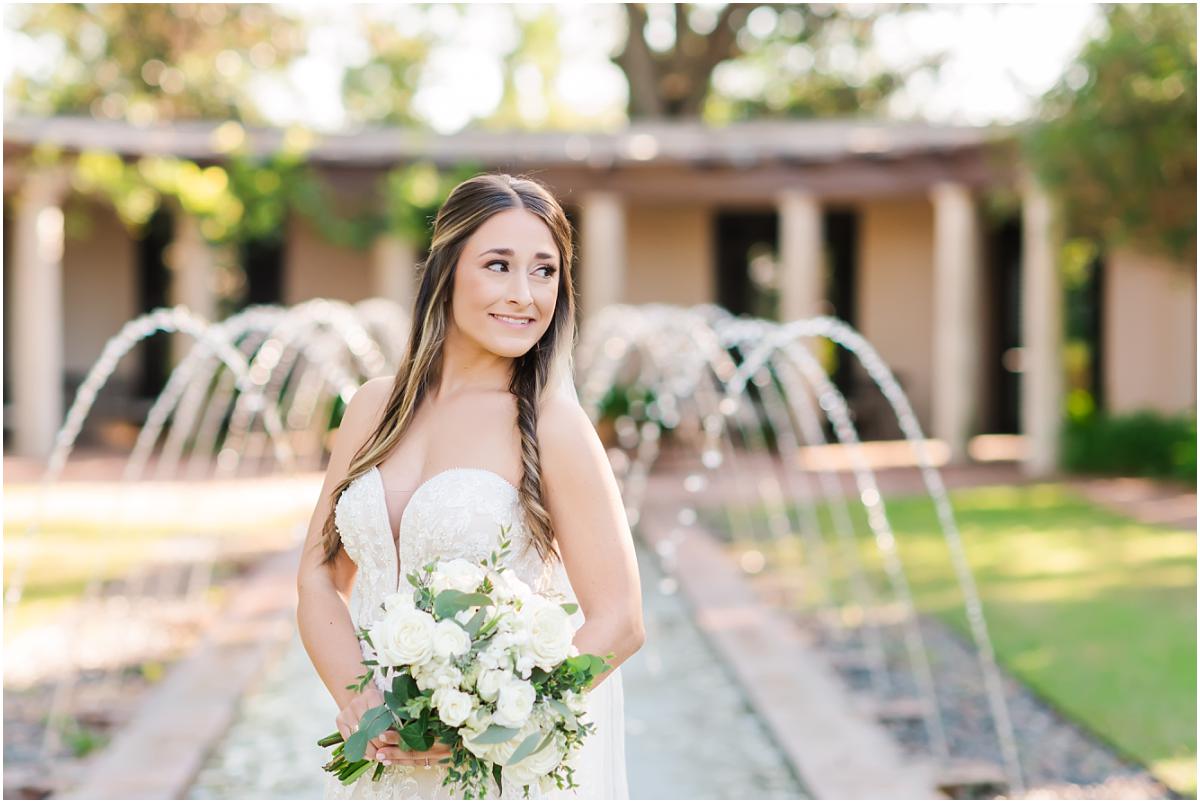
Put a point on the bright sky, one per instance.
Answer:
(1002, 57)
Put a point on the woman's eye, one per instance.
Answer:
(550, 269)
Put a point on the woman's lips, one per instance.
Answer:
(510, 323)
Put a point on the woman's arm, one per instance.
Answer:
(326, 628)
(592, 532)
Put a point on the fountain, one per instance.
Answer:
(735, 400)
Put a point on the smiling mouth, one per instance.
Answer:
(514, 321)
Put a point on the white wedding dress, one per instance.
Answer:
(457, 513)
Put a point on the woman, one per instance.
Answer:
(479, 428)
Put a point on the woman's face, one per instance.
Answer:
(508, 267)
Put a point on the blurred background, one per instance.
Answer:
(1000, 199)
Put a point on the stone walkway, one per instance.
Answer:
(689, 730)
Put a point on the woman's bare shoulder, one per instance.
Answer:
(365, 406)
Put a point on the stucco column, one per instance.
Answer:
(603, 235)
(193, 265)
(1041, 330)
(956, 330)
(801, 270)
(38, 313)
(393, 270)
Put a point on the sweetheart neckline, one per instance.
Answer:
(394, 537)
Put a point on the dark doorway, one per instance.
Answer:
(747, 248)
(262, 262)
(1083, 294)
(153, 287)
(1001, 404)
(743, 237)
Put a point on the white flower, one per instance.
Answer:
(491, 681)
(449, 639)
(510, 586)
(398, 600)
(514, 703)
(532, 768)
(550, 633)
(403, 636)
(458, 574)
(494, 657)
(480, 719)
(453, 706)
(437, 673)
(447, 676)
(576, 702)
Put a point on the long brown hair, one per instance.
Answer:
(470, 204)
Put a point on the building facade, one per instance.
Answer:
(891, 227)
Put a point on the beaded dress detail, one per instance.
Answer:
(459, 513)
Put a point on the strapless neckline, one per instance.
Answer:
(385, 519)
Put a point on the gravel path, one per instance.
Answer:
(1059, 759)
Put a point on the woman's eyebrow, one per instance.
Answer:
(509, 252)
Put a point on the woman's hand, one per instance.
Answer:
(412, 758)
(386, 747)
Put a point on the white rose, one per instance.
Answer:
(514, 703)
(532, 768)
(458, 574)
(449, 639)
(453, 706)
(550, 633)
(404, 636)
(491, 681)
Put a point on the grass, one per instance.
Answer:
(66, 554)
(1095, 612)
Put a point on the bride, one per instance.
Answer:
(479, 428)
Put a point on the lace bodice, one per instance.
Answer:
(456, 513)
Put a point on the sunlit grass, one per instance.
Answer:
(65, 555)
(1095, 612)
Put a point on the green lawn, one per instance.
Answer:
(1095, 612)
(67, 554)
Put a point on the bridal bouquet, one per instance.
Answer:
(476, 660)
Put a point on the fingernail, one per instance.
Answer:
(379, 756)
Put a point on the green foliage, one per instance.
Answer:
(1117, 141)
(1143, 444)
(151, 62)
(249, 198)
(80, 738)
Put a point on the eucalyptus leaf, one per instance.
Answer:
(374, 722)
(526, 748)
(495, 735)
(476, 622)
(568, 714)
(451, 601)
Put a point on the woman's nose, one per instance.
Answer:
(518, 289)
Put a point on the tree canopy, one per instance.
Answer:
(1116, 142)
